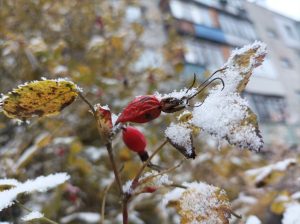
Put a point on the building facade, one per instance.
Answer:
(283, 40)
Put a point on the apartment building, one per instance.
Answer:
(211, 29)
(278, 106)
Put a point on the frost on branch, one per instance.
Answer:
(40, 184)
(262, 174)
(200, 203)
(224, 113)
(39, 98)
(149, 182)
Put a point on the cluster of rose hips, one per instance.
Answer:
(141, 110)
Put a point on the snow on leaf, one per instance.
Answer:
(40, 184)
(243, 61)
(261, 174)
(252, 219)
(86, 217)
(291, 215)
(8, 183)
(199, 203)
(180, 136)
(183, 93)
(32, 216)
(224, 113)
(39, 98)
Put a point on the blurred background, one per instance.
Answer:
(118, 49)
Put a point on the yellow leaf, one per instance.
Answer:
(278, 206)
(246, 61)
(202, 203)
(39, 98)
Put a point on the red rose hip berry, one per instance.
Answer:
(135, 141)
(141, 110)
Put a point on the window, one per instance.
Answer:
(268, 108)
(286, 63)
(239, 28)
(204, 53)
(191, 13)
(271, 33)
(289, 31)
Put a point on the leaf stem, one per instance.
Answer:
(88, 103)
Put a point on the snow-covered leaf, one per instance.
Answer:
(243, 61)
(224, 113)
(291, 215)
(180, 136)
(262, 174)
(40, 184)
(39, 98)
(200, 203)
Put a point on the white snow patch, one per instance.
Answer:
(40, 184)
(60, 69)
(183, 93)
(180, 135)
(88, 217)
(32, 215)
(296, 195)
(263, 172)
(127, 187)
(292, 214)
(252, 219)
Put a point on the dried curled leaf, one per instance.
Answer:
(180, 136)
(200, 203)
(39, 98)
(104, 122)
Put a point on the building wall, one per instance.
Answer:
(283, 41)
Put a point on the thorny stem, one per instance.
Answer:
(108, 145)
(29, 210)
(126, 196)
(114, 166)
(125, 209)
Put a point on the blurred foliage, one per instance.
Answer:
(93, 44)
